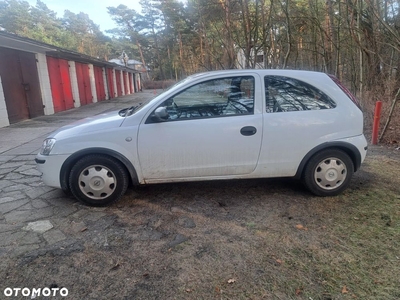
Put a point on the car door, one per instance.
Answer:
(207, 129)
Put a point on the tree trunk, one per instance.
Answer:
(142, 58)
(288, 34)
(390, 114)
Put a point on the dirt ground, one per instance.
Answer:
(250, 239)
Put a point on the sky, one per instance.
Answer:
(96, 9)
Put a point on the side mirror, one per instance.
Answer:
(160, 114)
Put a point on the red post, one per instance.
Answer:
(377, 118)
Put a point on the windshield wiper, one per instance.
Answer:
(128, 111)
(132, 109)
(122, 112)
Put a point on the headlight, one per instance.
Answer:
(47, 146)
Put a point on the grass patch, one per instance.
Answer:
(358, 253)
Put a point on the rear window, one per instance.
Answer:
(346, 91)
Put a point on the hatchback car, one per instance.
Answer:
(218, 125)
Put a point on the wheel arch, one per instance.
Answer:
(349, 149)
(70, 161)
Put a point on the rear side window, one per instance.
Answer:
(284, 94)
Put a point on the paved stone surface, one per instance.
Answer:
(34, 218)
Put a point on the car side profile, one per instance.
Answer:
(232, 124)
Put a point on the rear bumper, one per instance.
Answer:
(361, 144)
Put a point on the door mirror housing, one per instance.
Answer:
(160, 114)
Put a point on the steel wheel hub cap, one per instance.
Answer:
(97, 182)
(330, 173)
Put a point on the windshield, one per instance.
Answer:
(128, 111)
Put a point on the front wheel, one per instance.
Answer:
(98, 180)
(328, 173)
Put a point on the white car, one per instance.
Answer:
(216, 125)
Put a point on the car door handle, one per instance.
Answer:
(248, 130)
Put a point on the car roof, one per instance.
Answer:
(261, 72)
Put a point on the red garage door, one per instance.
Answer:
(124, 77)
(21, 87)
(130, 83)
(118, 80)
(98, 77)
(82, 74)
(110, 83)
(60, 83)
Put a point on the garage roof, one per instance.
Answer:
(13, 41)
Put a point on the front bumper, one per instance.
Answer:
(50, 167)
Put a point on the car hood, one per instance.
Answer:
(96, 123)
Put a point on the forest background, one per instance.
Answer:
(356, 40)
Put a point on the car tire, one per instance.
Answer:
(67, 192)
(98, 180)
(328, 173)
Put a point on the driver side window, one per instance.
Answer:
(230, 96)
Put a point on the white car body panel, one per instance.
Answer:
(51, 169)
(106, 121)
(285, 142)
(198, 148)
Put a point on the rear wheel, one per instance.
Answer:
(328, 173)
(98, 180)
